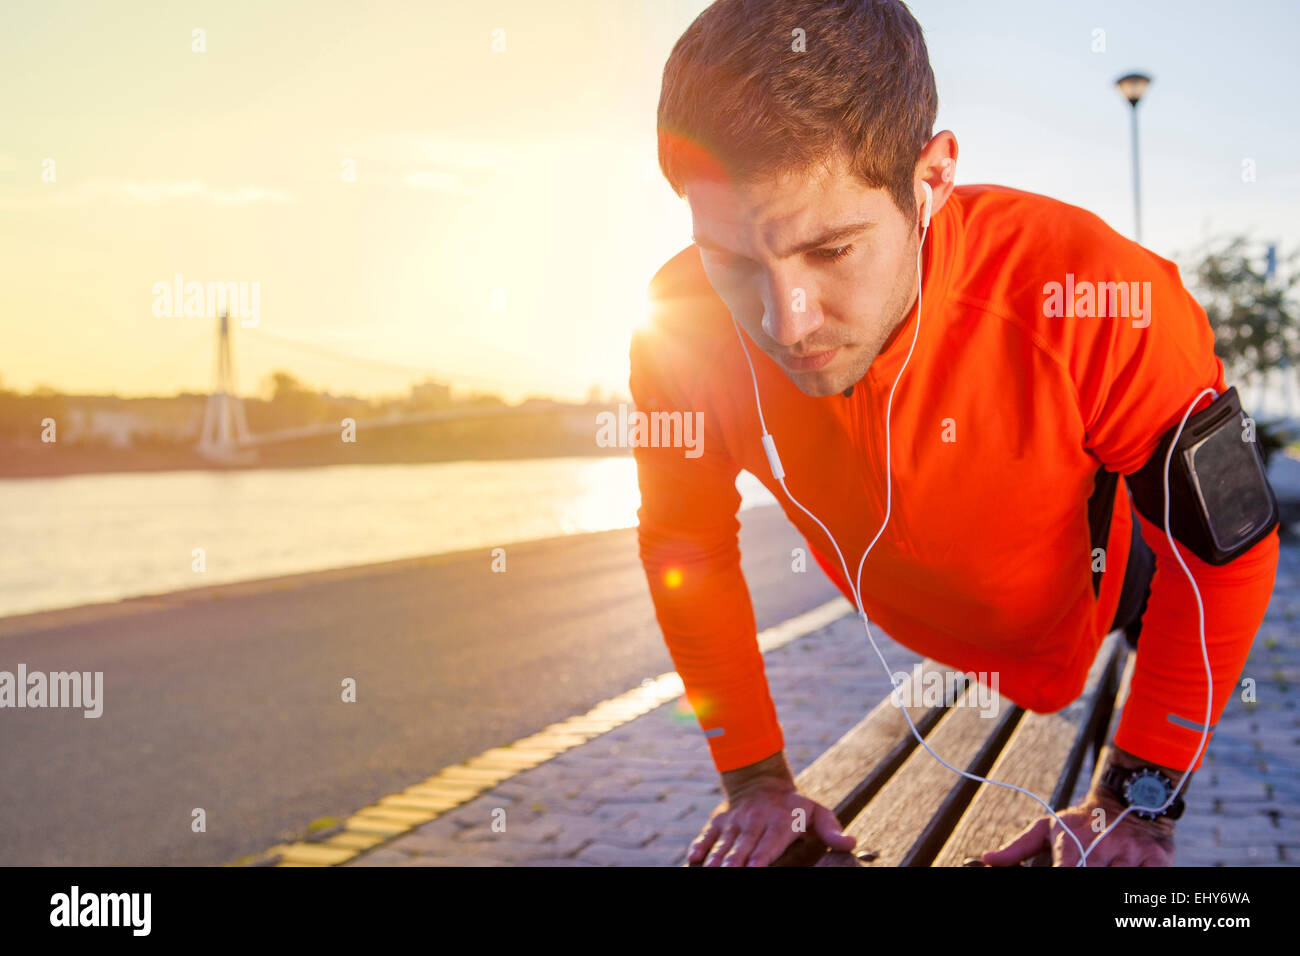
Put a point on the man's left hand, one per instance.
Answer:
(1135, 842)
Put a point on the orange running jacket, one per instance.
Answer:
(999, 424)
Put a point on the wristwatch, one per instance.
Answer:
(1144, 787)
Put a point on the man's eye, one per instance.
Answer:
(832, 255)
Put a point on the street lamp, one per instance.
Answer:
(1133, 86)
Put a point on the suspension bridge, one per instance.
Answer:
(225, 437)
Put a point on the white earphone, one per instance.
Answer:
(778, 473)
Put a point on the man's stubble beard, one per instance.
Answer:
(897, 308)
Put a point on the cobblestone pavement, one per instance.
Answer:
(638, 795)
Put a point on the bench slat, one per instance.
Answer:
(899, 823)
(847, 775)
(1044, 756)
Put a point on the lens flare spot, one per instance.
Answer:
(682, 712)
(673, 577)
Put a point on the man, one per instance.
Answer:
(799, 132)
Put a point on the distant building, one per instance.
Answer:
(123, 422)
(109, 426)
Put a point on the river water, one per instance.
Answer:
(85, 538)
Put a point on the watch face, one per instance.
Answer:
(1146, 791)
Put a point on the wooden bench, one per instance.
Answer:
(907, 809)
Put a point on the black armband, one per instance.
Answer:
(1221, 504)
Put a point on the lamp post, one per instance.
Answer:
(1133, 86)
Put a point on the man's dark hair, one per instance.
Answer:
(746, 96)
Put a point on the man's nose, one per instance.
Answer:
(788, 314)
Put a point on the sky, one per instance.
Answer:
(470, 192)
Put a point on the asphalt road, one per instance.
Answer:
(229, 699)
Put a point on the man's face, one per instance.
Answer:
(775, 255)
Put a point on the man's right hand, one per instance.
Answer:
(761, 817)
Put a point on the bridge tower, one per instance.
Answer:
(225, 431)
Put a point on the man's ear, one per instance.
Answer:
(938, 167)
